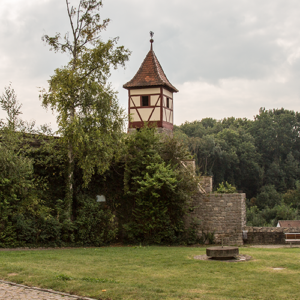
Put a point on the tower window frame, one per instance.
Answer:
(168, 102)
(145, 101)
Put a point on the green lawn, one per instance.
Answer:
(156, 273)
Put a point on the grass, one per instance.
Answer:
(156, 273)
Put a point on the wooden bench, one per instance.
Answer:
(292, 237)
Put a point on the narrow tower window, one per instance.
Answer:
(145, 100)
(168, 103)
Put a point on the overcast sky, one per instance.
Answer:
(226, 57)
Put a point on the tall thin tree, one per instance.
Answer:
(89, 119)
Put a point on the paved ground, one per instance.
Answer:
(12, 291)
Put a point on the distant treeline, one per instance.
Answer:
(260, 157)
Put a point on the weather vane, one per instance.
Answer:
(151, 35)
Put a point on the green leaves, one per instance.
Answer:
(10, 104)
(89, 119)
(248, 154)
(156, 189)
(226, 189)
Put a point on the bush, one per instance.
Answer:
(95, 223)
(225, 189)
(156, 189)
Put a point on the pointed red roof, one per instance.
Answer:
(149, 74)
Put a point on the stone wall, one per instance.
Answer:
(268, 235)
(166, 131)
(190, 165)
(224, 214)
(206, 183)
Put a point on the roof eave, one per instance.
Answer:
(128, 87)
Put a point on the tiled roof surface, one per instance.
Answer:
(150, 73)
(289, 223)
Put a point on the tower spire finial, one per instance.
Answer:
(151, 35)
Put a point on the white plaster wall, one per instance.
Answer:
(167, 93)
(145, 91)
(136, 100)
(156, 114)
(145, 113)
(134, 116)
(153, 100)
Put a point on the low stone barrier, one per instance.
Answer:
(267, 235)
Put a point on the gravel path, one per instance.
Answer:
(13, 291)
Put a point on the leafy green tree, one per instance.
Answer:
(276, 134)
(18, 186)
(254, 217)
(268, 197)
(292, 197)
(225, 150)
(10, 104)
(292, 171)
(157, 190)
(206, 151)
(89, 119)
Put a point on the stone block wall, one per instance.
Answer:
(166, 131)
(206, 183)
(190, 165)
(268, 235)
(224, 214)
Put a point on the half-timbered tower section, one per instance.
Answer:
(150, 96)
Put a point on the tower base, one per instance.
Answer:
(161, 130)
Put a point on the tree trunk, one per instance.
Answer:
(70, 175)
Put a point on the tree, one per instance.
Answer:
(89, 119)
(10, 104)
(292, 197)
(19, 189)
(276, 134)
(157, 190)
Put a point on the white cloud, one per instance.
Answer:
(232, 97)
(227, 58)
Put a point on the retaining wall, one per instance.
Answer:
(268, 235)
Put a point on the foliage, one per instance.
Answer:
(18, 186)
(255, 218)
(95, 223)
(226, 189)
(208, 236)
(270, 216)
(268, 197)
(156, 189)
(292, 197)
(89, 119)
(192, 233)
(11, 106)
(225, 150)
(247, 154)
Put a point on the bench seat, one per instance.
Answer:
(292, 237)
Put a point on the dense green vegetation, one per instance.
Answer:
(89, 118)
(156, 273)
(49, 185)
(260, 157)
(147, 193)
